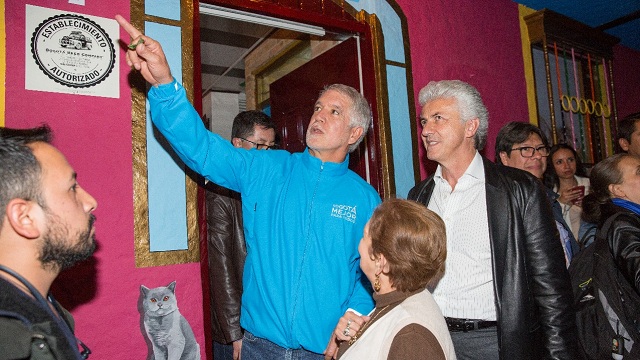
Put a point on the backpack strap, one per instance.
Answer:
(19, 339)
(588, 236)
(604, 229)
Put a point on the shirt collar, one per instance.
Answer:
(475, 169)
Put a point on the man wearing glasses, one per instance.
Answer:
(523, 146)
(227, 250)
(505, 292)
(303, 213)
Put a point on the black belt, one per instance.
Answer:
(468, 324)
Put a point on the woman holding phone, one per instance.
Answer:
(567, 177)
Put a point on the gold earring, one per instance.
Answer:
(376, 284)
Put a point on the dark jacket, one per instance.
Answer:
(624, 242)
(227, 252)
(531, 284)
(27, 331)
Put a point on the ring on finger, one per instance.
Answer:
(134, 44)
(346, 331)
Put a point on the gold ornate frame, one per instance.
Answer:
(144, 257)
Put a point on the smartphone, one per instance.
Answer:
(581, 188)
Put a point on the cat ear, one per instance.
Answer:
(144, 290)
(172, 286)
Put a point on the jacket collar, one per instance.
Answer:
(635, 208)
(491, 173)
(330, 168)
(499, 218)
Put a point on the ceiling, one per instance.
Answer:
(223, 45)
(225, 42)
(620, 18)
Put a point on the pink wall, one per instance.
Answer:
(626, 77)
(95, 135)
(479, 42)
(474, 41)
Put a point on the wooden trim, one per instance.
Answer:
(547, 73)
(3, 63)
(395, 63)
(383, 124)
(555, 27)
(144, 257)
(324, 16)
(408, 65)
(528, 65)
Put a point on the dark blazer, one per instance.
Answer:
(226, 255)
(531, 284)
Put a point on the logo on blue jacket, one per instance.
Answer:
(344, 212)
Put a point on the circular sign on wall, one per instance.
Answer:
(73, 50)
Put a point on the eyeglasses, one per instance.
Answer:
(261, 146)
(528, 151)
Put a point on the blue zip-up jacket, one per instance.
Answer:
(303, 220)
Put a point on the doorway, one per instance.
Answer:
(240, 61)
(243, 55)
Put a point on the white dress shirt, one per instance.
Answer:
(466, 288)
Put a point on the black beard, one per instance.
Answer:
(57, 254)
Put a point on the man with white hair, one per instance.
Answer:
(505, 292)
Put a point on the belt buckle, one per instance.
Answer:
(463, 325)
(469, 325)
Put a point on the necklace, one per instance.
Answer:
(362, 329)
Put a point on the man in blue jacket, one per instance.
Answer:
(303, 213)
(252, 129)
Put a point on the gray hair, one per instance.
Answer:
(468, 100)
(360, 112)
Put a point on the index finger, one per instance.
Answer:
(130, 29)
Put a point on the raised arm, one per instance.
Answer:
(146, 55)
(201, 150)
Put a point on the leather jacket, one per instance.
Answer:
(624, 242)
(226, 255)
(531, 283)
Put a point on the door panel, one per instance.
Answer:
(293, 96)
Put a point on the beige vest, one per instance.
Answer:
(419, 309)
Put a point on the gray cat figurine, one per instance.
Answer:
(169, 332)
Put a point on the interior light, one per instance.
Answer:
(234, 14)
